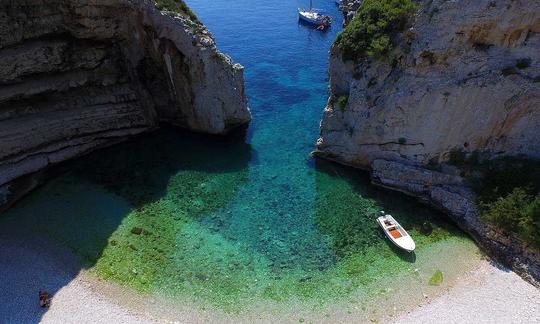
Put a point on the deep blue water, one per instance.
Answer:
(285, 61)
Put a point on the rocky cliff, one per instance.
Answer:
(76, 75)
(465, 76)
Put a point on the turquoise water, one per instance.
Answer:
(252, 218)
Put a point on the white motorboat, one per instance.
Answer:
(314, 17)
(396, 233)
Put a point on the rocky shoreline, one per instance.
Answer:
(461, 77)
(80, 75)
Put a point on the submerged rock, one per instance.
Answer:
(436, 279)
(426, 228)
(44, 299)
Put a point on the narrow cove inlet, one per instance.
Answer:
(247, 226)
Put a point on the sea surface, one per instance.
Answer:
(249, 221)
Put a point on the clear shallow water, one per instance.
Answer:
(235, 222)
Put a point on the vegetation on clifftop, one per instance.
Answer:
(178, 6)
(370, 31)
(508, 191)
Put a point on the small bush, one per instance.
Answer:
(222, 57)
(518, 212)
(507, 211)
(370, 31)
(482, 47)
(501, 176)
(460, 158)
(402, 140)
(178, 6)
(508, 191)
(508, 71)
(523, 63)
(433, 12)
(530, 224)
(350, 131)
(342, 102)
(428, 56)
(446, 95)
(457, 157)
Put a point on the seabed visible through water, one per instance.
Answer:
(180, 216)
(248, 223)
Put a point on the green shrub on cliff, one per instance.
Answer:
(509, 195)
(518, 212)
(502, 175)
(370, 31)
(508, 191)
(178, 6)
(341, 102)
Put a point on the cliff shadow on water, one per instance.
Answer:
(347, 205)
(119, 210)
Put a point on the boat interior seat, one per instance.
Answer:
(395, 233)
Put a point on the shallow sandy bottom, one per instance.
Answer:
(487, 294)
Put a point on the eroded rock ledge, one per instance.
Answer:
(76, 75)
(465, 76)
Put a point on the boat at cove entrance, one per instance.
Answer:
(312, 16)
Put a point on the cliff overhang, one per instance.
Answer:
(78, 75)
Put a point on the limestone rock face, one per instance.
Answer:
(76, 75)
(466, 76)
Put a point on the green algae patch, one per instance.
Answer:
(436, 279)
(346, 213)
(177, 254)
(137, 260)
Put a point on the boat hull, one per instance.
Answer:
(313, 18)
(311, 21)
(404, 241)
